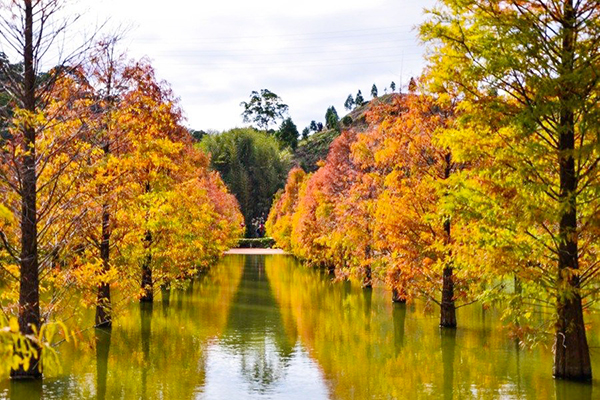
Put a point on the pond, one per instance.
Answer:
(265, 327)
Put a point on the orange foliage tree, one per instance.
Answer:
(124, 199)
(279, 222)
(414, 231)
(376, 208)
(175, 203)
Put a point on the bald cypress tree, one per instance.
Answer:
(533, 106)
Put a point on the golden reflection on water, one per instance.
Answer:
(153, 351)
(266, 327)
(368, 347)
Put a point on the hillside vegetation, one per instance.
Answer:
(316, 147)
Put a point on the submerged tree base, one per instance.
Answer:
(23, 375)
(571, 350)
(32, 370)
(448, 315)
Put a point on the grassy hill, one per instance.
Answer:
(315, 148)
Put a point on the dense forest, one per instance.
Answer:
(253, 166)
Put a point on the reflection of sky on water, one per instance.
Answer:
(295, 378)
(255, 357)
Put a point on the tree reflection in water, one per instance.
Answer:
(26, 390)
(448, 345)
(255, 330)
(268, 327)
(368, 347)
(146, 310)
(399, 316)
(103, 336)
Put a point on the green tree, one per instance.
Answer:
(288, 134)
(263, 109)
(332, 120)
(374, 91)
(197, 135)
(359, 100)
(531, 132)
(393, 86)
(305, 133)
(349, 103)
(313, 125)
(251, 165)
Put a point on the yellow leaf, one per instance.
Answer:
(14, 325)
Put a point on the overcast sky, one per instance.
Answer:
(312, 53)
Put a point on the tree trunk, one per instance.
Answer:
(147, 284)
(368, 280)
(572, 355)
(29, 295)
(448, 308)
(331, 270)
(103, 305)
(398, 292)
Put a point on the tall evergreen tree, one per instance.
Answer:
(359, 100)
(305, 133)
(349, 103)
(288, 134)
(332, 120)
(374, 91)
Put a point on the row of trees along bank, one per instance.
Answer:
(100, 187)
(481, 184)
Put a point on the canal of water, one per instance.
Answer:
(265, 327)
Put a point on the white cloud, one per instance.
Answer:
(312, 53)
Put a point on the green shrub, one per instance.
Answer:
(256, 243)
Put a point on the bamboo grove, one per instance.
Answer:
(481, 183)
(104, 199)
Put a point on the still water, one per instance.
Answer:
(264, 327)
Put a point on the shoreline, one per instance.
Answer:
(255, 251)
